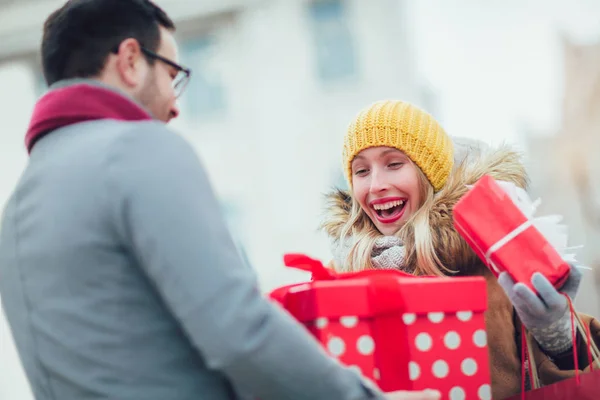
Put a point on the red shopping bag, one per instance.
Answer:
(588, 388)
(584, 386)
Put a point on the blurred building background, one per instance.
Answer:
(275, 83)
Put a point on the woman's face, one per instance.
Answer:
(386, 185)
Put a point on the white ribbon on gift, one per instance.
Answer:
(549, 226)
(498, 245)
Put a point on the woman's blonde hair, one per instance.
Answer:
(421, 256)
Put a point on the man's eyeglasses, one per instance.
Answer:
(183, 74)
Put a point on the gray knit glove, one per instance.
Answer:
(546, 316)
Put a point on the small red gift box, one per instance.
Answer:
(401, 331)
(504, 238)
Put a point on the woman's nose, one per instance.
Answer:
(379, 182)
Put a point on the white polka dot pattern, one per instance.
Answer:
(414, 371)
(452, 340)
(423, 342)
(464, 315)
(440, 369)
(349, 321)
(457, 393)
(336, 346)
(485, 392)
(321, 323)
(365, 345)
(447, 349)
(469, 367)
(436, 317)
(409, 318)
(376, 374)
(480, 338)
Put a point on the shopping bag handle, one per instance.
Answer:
(577, 325)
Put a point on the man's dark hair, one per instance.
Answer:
(80, 35)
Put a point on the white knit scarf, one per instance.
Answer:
(388, 252)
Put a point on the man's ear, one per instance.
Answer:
(130, 61)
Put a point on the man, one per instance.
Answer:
(118, 276)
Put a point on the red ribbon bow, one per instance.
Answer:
(383, 279)
(322, 273)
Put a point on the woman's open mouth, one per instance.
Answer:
(388, 210)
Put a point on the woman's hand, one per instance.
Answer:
(547, 314)
(414, 395)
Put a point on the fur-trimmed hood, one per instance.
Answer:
(453, 252)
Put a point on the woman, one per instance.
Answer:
(404, 182)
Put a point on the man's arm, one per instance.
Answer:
(175, 227)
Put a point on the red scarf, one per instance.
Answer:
(79, 103)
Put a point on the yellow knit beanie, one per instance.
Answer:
(407, 128)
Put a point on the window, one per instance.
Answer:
(205, 94)
(335, 52)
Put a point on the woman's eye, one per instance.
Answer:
(395, 165)
(360, 172)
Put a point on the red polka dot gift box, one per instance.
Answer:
(402, 332)
(497, 220)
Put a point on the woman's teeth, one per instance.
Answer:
(388, 205)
